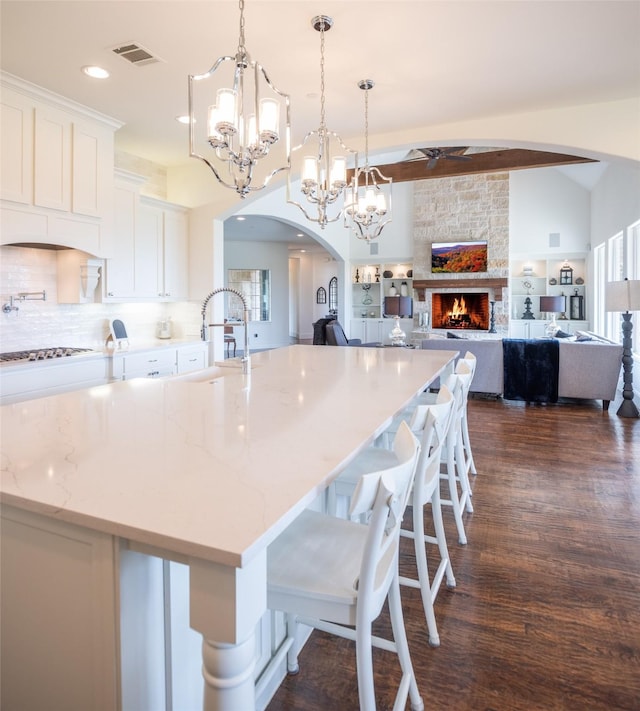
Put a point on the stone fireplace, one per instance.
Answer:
(460, 310)
(465, 207)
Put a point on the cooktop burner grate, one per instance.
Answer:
(42, 354)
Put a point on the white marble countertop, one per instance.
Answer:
(211, 465)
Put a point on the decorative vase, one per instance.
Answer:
(392, 290)
(404, 289)
(397, 335)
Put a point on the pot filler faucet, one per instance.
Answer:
(245, 360)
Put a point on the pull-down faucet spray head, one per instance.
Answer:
(245, 360)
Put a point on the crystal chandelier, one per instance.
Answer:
(323, 172)
(249, 117)
(368, 207)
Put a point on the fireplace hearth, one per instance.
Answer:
(460, 311)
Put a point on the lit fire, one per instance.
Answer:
(459, 308)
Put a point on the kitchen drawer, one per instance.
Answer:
(149, 364)
(50, 378)
(192, 358)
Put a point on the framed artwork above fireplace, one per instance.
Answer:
(458, 257)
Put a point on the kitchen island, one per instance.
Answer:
(205, 469)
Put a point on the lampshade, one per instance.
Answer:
(552, 304)
(623, 295)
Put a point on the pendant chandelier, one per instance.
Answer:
(248, 118)
(368, 207)
(323, 157)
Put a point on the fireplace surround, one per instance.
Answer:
(460, 311)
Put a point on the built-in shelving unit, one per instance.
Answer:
(379, 292)
(533, 278)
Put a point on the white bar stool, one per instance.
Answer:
(454, 463)
(332, 574)
(430, 423)
(471, 362)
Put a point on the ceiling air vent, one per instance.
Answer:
(136, 54)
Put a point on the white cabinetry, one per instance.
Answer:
(56, 181)
(159, 361)
(26, 381)
(527, 329)
(154, 363)
(150, 254)
(58, 584)
(166, 226)
(192, 357)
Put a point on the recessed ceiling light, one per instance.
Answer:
(96, 72)
(183, 119)
(299, 234)
(240, 218)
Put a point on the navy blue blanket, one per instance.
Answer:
(530, 369)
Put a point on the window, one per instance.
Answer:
(615, 272)
(333, 295)
(600, 279)
(255, 286)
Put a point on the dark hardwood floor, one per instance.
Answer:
(546, 612)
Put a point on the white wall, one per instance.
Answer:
(273, 256)
(396, 240)
(615, 201)
(543, 202)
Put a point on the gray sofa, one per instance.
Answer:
(586, 370)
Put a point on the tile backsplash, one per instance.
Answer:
(38, 324)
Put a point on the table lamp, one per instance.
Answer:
(624, 296)
(552, 305)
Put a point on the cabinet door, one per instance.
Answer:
(519, 329)
(175, 274)
(375, 329)
(90, 169)
(59, 615)
(119, 270)
(537, 329)
(16, 149)
(52, 155)
(358, 329)
(148, 252)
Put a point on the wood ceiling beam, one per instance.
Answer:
(490, 162)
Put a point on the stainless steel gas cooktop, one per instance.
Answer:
(41, 354)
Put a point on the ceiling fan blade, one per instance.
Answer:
(432, 162)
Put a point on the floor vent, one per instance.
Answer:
(135, 54)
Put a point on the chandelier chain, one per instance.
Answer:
(241, 47)
(322, 110)
(366, 128)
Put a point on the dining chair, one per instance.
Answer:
(430, 424)
(335, 575)
(229, 339)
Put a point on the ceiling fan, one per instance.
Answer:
(433, 155)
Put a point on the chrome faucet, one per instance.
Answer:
(245, 360)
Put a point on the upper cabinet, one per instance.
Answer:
(56, 179)
(150, 248)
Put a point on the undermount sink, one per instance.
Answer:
(231, 363)
(200, 376)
